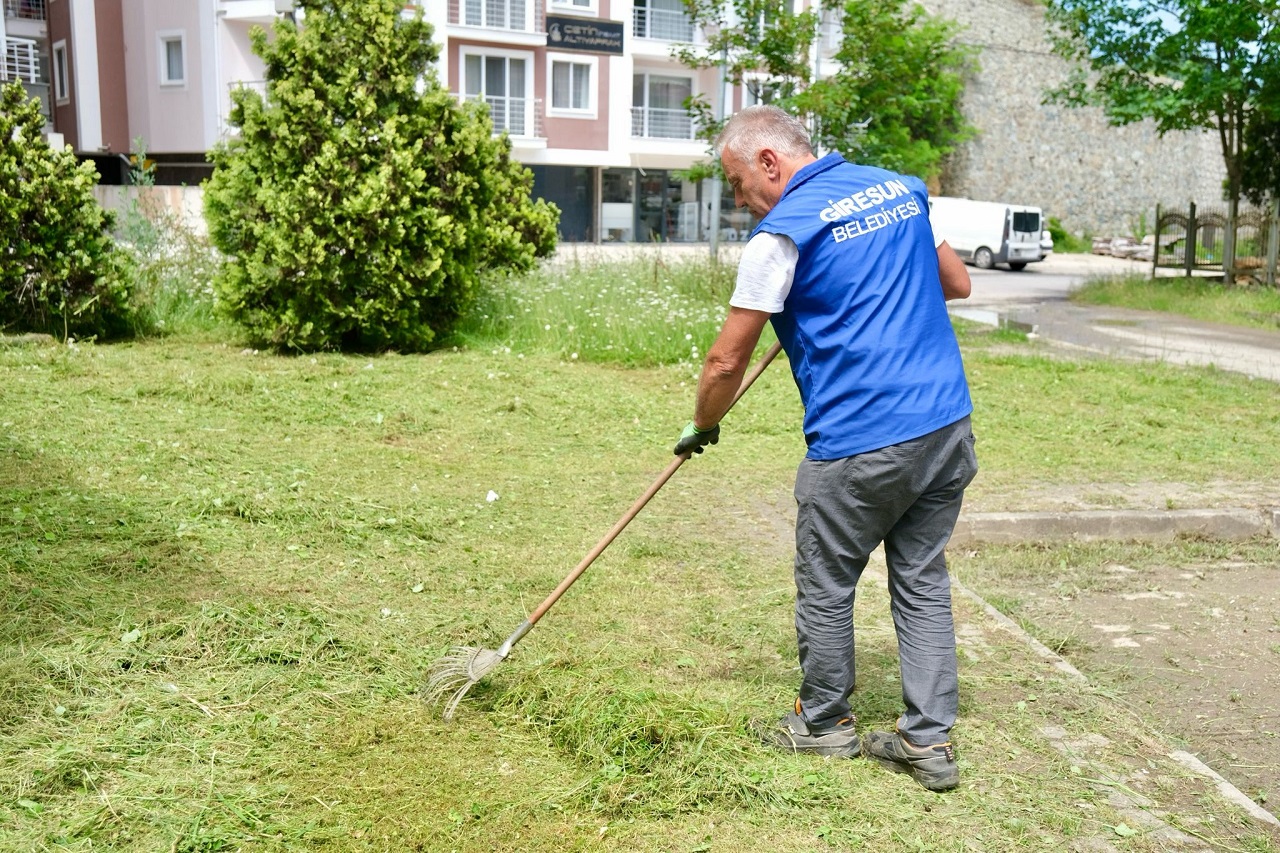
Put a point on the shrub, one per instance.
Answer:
(59, 271)
(1065, 241)
(360, 203)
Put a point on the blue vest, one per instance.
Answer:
(865, 326)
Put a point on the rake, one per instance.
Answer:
(453, 675)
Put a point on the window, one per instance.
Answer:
(498, 14)
(657, 106)
(761, 90)
(662, 19)
(61, 75)
(502, 81)
(574, 5)
(1026, 221)
(173, 58)
(571, 89)
(831, 30)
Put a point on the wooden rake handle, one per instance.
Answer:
(617, 528)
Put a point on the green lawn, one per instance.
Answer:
(225, 574)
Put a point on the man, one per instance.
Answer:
(846, 267)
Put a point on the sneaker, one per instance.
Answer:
(933, 766)
(793, 734)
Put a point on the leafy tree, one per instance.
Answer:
(893, 98)
(1260, 172)
(59, 271)
(761, 44)
(360, 203)
(1184, 64)
(1260, 176)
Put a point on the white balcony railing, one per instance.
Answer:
(21, 61)
(664, 24)
(497, 14)
(653, 123)
(517, 116)
(28, 10)
(259, 86)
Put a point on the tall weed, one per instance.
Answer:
(640, 312)
(172, 268)
(171, 264)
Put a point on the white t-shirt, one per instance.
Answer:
(766, 270)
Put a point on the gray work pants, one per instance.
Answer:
(907, 496)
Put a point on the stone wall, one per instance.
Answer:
(1094, 177)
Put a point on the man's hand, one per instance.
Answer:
(692, 440)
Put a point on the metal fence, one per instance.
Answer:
(1194, 239)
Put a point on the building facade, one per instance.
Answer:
(594, 105)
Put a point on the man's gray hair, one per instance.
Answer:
(763, 126)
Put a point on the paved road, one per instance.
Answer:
(1037, 298)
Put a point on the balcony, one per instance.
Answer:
(519, 117)
(515, 15)
(25, 10)
(661, 24)
(21, 61)
(654, 123)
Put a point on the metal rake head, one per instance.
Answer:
(454, 674)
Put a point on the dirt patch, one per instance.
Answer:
(1194, 648)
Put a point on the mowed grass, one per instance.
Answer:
(226, 573)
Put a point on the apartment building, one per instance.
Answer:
(594, 104)
(155, 71)
(587, 91)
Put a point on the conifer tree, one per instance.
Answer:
(59, 270)
(359, 202)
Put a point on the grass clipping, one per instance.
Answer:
(660, 753)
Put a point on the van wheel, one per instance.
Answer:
(1017, 266)
(983, 259)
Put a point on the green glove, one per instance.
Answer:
(692, 439)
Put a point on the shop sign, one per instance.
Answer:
(583, 34)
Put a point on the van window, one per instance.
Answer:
(1026, 221)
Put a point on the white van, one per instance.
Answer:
(986, 233)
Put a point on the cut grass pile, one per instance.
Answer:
(225, 574)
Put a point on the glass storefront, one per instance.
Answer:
(572, 189)
(636, 206)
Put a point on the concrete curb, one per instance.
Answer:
(1225, 788)
(1004, 528)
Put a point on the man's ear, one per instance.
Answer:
(769, 162)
